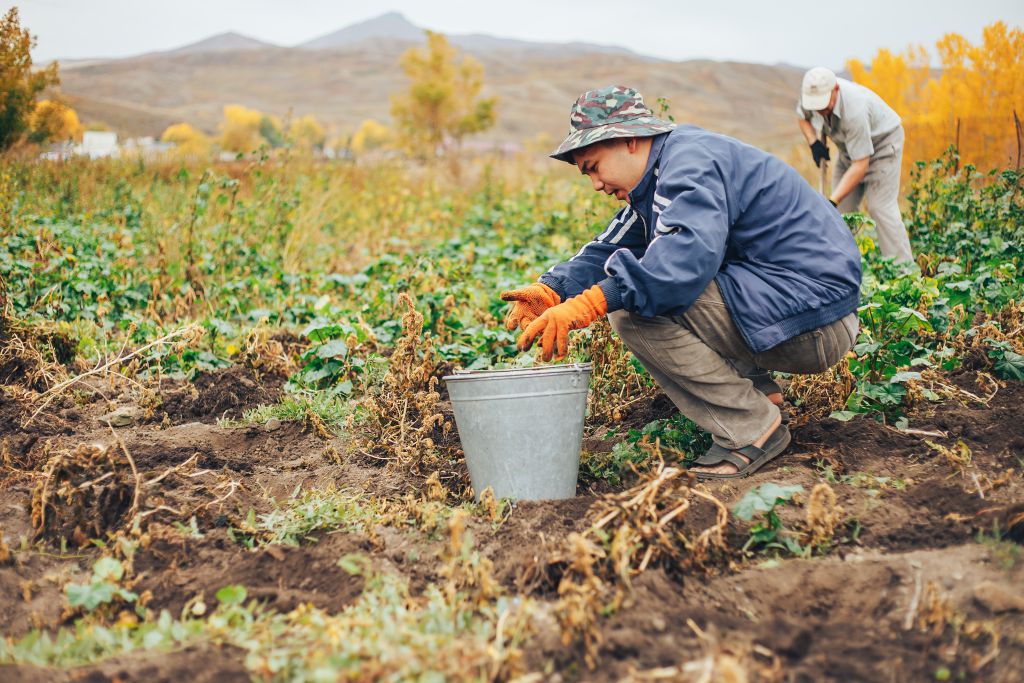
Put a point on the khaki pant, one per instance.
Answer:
(881, 188)
(702, 363)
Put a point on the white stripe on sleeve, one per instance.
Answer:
(625, 228)
(663, 229)
(582, 249)
(613, 225)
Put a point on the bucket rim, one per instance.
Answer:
(505, 373)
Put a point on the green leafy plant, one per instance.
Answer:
(104, 587)
(624, 457)
(768, 532)
(89, 642)
(231, 595)
(303, 514)
(676, 434)
(1008, 364)
(966, 230)
(385, 635)
(321, 408)
(874, 485)
(329, 363)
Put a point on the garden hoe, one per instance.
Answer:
(823, 178)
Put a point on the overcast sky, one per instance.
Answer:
(795, 32)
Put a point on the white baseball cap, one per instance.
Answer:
(817, 88)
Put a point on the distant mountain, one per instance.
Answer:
(479, 42)
(222, 42)
(392, 26)
(350, 75)
(343, 87)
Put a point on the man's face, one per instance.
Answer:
(616, 166)
(827, 111)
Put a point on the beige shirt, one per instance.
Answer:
(859, 121)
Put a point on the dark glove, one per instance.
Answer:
(819, 151)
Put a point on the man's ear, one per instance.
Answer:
(632, 144)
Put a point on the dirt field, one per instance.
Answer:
(917, 589)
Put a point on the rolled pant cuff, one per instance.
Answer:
(740, 440)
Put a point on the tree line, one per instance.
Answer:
(973, 98)
(440, 107)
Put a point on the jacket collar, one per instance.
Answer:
(653, 160)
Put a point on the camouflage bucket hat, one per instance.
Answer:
(612, 112)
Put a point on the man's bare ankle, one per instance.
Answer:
(771, 430)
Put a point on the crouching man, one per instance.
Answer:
(724, 264)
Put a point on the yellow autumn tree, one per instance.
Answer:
(973, 100)
(20, 82)
(240, 129)
(443, 103)
(53, 121)
(188, 141)
(370, 135)
(307, 133)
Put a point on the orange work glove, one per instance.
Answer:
(554, 324)
(527, 303)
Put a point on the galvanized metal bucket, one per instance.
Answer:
(522, 429)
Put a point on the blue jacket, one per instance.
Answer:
(709, 206)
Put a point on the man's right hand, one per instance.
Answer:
(819, 151)
(528, 303)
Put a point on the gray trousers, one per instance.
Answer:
(702, 363)
(881, 188)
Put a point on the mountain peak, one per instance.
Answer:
(390, 26)
(223, 42)
(389, 16)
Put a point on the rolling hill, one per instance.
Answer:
(349, 75)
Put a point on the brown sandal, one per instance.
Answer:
(757, 456)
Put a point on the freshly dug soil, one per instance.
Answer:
(220, 394)
(177, 569)
(912, 524)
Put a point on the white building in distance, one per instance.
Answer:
(98, 143)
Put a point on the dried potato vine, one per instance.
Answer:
(642, 527)
(401, 418)
(824, 515)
